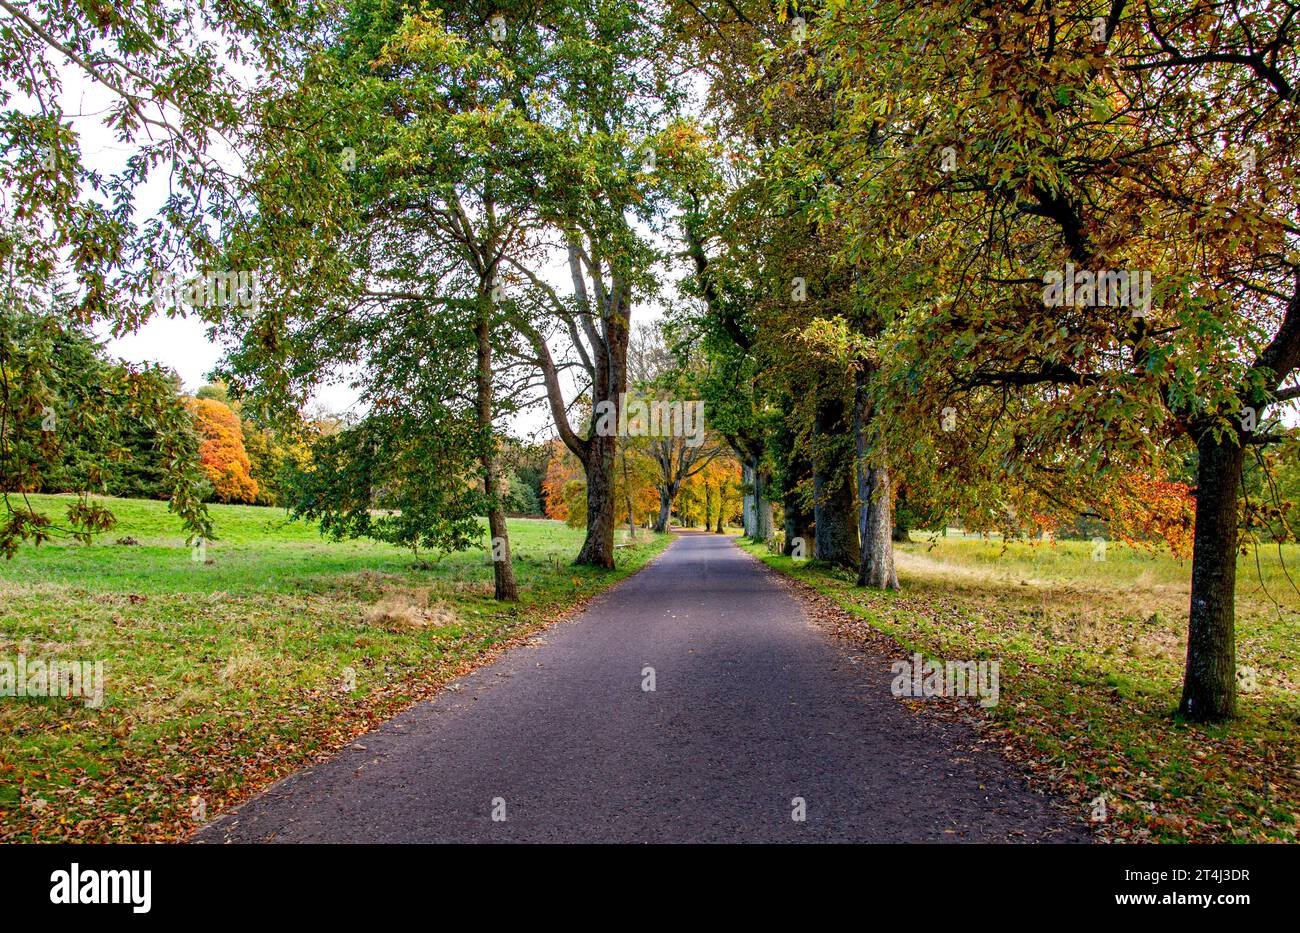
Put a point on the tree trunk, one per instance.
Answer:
(762, 505)
(609, 384)
(798, 524)
(598, 548)
(833, 492)
(666, 496)
(748, 512)
(756, 508)
(503, 570)
(876, 568)
(1210, 680)
(627, 499)
(836, 538)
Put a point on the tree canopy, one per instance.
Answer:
(1019, 268)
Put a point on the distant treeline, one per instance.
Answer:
(82, 447)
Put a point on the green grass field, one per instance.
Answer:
(1091, 656)
(225, 673)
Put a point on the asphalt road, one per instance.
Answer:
(752, 707)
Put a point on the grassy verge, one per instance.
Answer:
(224, 674)
(1091, 656)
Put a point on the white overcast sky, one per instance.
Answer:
(179, 343)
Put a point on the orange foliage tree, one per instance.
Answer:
(564, 487)
(1146, 511)
(561, 474)
(221, 451)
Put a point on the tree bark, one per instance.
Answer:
(791, 531)
(666, 497)
(798, 524)
(747, 511)
(609, 384)
(1210, 678)
(503, 570)
(836, 536)
(627, 499)
(762, 505)
(756, 508)
(833, 493)
(876, 568)
(598, 547)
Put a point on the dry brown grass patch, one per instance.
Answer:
(410, 611)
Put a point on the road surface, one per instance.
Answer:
(753, 710)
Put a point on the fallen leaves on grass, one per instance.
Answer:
(1076, 724)
(150, 794)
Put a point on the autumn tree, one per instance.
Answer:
(221, 451)
(637, 489)
(720, 481)
(600, 186)
(767, 266)
(1082, 219)
(666, 420)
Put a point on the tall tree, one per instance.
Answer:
(418, 172)
(1093, 216)
(600, 185)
